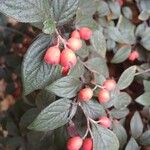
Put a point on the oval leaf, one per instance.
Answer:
(104, 138)
(65, 87)
(55, 115)
(93, 109)
(144, 99)
(132, 145)
(26, 11)
(127, 77)
(121, 55)
(136, 125)
(36, 74)
(64, 10)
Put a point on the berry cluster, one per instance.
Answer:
(67, 58)
(75, 143)
(133, 55)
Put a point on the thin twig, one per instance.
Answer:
(142, 72)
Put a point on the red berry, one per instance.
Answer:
(52, 55)
(88, 144)
(65, 70)
(68, 58)
(121, 2)
(85, 94)
(75, 34)
(109, 84)
(85, 33)
(133, 56)
(103, 96)
(74, 143)
(74, 44)
(105, 121)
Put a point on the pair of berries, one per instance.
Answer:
(133, 55)
(75, 143)
(104, 95)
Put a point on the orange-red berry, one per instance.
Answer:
(65, 70)
(133, 55)
(121, 2)
(88, 144)
(74, 44)
(52, 55)
(75, 34)
(105, 121)
(103, 96)
(85, 33)
(68, 58)
(85, 94)
(109, 84)
(74, 143)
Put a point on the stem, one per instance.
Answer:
(119, 21)
(61, 38)
(142, 72)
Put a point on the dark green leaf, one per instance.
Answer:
(132, 145)
(121, 55)
(65, 87)
(26, 11)
(55, 115)
(98, 42)
(28, 117)
(36, 74)
(120, 132)
(119, 113)
(115, 35)
(122, 100)
(127, 77)
(49, 26)
(98, 65)
(64, 10)
(146, 85)
(104, 138)
(144, 99)
(145, 138)
(77, 70)
(93, 109)
(44, 98)
(136, 125)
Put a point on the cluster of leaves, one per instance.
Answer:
(116, 33)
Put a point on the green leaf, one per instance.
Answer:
(122, 100)
(104, 138)
(136, 125)
(127, 12)
(132, 145)
(36, 74)
(144, 99)
(28, 117)
(120, 132)
(44, 98)
(102, 8)
(26, 11)
(122, 54)
(115, 35)
(49, 26)
(98, 42)
(65, 87)
(98, 65)
(77, 70)
(127, 77)
(93, 109)
(145, 138)
(144, 15)
(119, 113)
(146, 85)
(55, 115)
(64, 10)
